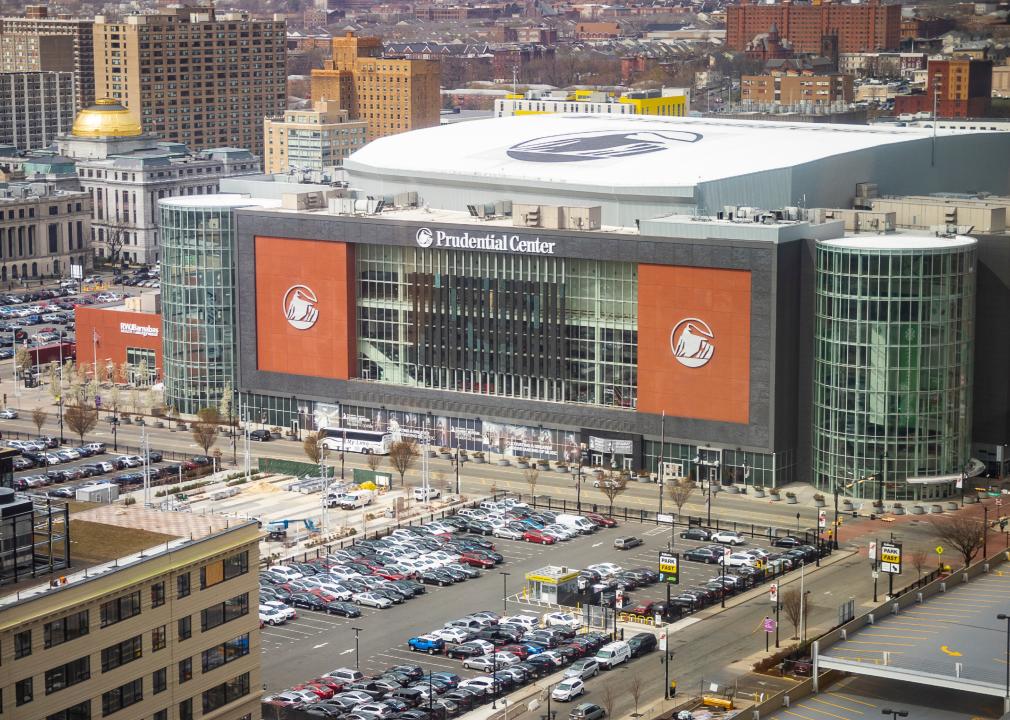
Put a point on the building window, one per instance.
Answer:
(122, 653)
(158, 594)
(159, 680)
(227, 692)
(160, 715)
(182, 585)
(66, 628)
(224, 653)
(142, 364)
(80, 711)
(185, 627)
(123, 696)
(121, 608)
(22, 644)
(185, 670)
(186, 709)
(220, 570)
(226, 611)
(159, 638)
(23, 692)
(69, 674)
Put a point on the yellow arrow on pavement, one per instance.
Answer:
(948, 651)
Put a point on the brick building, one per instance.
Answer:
(860, 27)
(791, 88)
(963, 89)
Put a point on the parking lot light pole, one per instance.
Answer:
(834, 535)
(356, 630)
(457, 471)
(1004, 616)
(504, 592)
(895, 714)
(494, 677)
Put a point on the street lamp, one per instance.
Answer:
(356, 630)
(895, 714)
(504, 592)
(1004, 616)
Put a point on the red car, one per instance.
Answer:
(602, 520)
(476, 560)
(519, 651)
(334, 685)
(535, 536)
(644, 608)
(323, 594)
(389, 574)
(324, 692)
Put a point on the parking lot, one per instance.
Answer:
(316, 643)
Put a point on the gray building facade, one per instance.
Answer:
(35, 108)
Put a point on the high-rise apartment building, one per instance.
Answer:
(195, 76)
(392, 95)
(310, 139)
(169, 633)
(39, 42)
(35, 107)
(954, 89)
(860, 27)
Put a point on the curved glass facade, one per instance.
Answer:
(198, 298)
(893, 352)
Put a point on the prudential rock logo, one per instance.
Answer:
(425, 237)
(692, 342)
(300, 307)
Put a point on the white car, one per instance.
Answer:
(484, 645)
(288, 612)
(453, 634)
(337, 591)
(372, 600)
(271, 616)
(727, 537)
(484, 663)
(529, 622)
(584, 669)
(438, 527)
(292, 697)
(285, 572)
(507, 659)
(8, 414)
(606, 569)
(737, 560)
(562, 619)
(568, 689)
(565, 532)
(482, 684)
(507, 533)
(558, 535)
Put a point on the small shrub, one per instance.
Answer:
(129, 500)
(818, 497)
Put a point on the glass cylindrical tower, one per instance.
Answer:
(893, 351)
(198, 298)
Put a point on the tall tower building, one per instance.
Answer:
(38, 42)
(392, 95)
(194, 76)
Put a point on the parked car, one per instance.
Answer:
(584, 668)
(430, 644)
(602, 520)
(587, 711)
(696, 533)
(788, 541)
(260, 435)
(728, 537)
(627, 543)
(642, 643)
(703, 554)
(371, 599)
(568, 689)
(536, 536)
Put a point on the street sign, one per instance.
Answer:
(873, 549)
(663, 518)
(768, 624)
(662, 639)
(773, 593)
(822, 519)
(98, 401)
(939, 549)
(619, 597)
(890, 557)
(669, 567)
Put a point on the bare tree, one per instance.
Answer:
(796, 609)
(402, 456)
(635, 688)
(532, 475)
(919, 559)
(607, 698)
(80, 419)
(613, 484)
(206, 429)
(23, 360)
(964, 534)
(39, 417)
(680, 490)
(373, 461)
(312, 448)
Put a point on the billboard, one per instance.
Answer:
(305, 309)
(694, 342)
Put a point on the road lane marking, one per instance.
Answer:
(796, 714)
(349, 650)
(899, 637)
(851, 699)
(316, 647)
(597, 544)
(870, 642)
(825, 712)
(947, 651)
(840, 707)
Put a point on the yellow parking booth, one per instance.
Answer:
(552, 584)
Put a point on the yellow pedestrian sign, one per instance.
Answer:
(939, 549)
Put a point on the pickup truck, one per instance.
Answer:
(426, 643)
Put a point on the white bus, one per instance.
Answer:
(369, 442)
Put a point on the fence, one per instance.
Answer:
(292, 467)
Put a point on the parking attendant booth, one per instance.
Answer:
(552, 584)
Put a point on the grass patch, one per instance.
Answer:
(92, 542)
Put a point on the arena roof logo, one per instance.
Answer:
(300, 307)
(598, 145)
(692, 342)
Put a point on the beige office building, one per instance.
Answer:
(193, 75)
(38, 42)
(310, 139)
(169, 633)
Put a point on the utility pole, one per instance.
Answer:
(662, 457)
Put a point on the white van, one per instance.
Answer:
(356, 499)
(577, 523)
(613, 654)
(424, 494)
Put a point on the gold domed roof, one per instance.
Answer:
(106, 118)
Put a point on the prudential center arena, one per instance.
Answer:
(640, 293)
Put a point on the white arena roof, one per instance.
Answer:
(639, 167)
(626, 151)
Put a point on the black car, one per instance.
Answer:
(306, 600)
(642, 643)
(260, 435)
(696, 533)
(705, 555)
(434, 577)
(413, 672)
(546, 664)
(415, 588)
(479, 526)
(23, 463)
(344, 609)
(647, 575)
(464, 650)
(788, 541)
(463, 699)
(455, 572)
(155, 456)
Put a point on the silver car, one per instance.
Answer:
(584, 668)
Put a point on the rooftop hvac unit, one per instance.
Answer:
(503, 208)
(532, 218)
(405, 199)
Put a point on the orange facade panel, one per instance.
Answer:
(305, 308)
(110, 333)
(694, 342)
